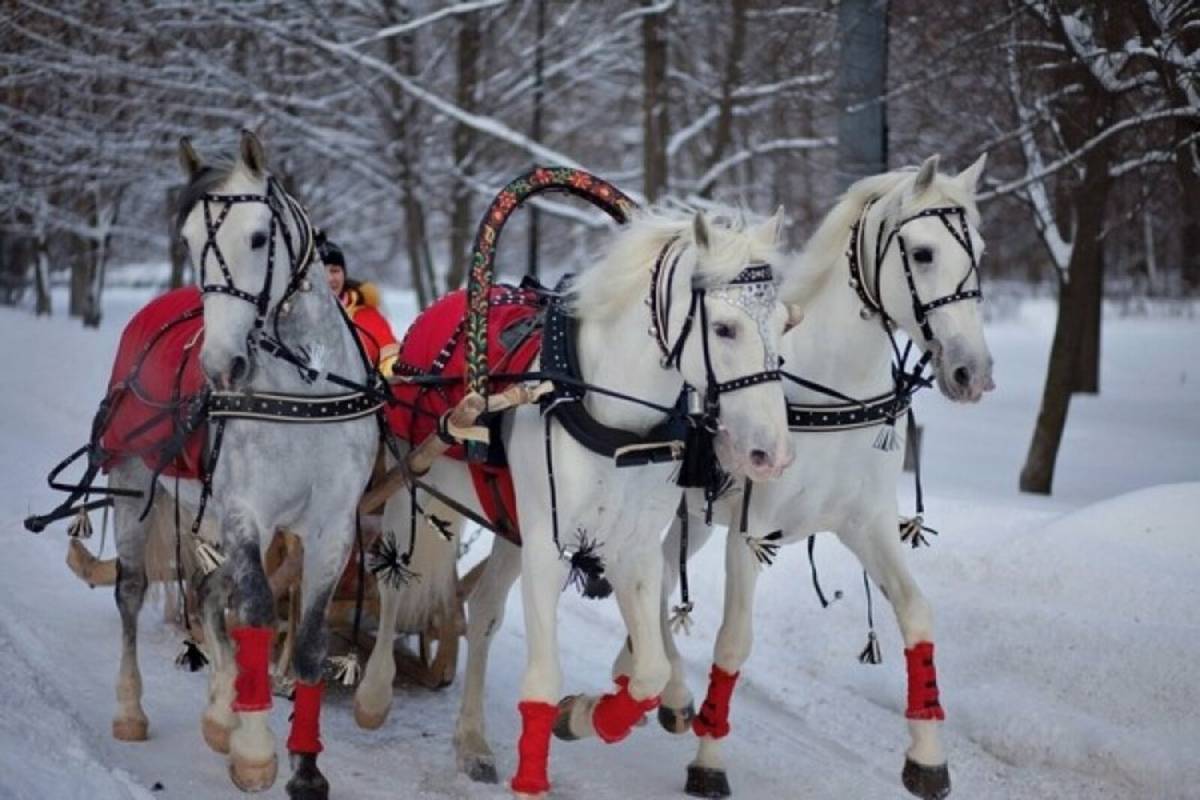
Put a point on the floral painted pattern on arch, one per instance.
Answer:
(582, 184)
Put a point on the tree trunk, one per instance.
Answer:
(723, 135)
(79, 276)
(654, 104)
(41, 276)
(535, 131)
(1189, 222)
(176, 248)
(1089, 288)
(862, 84)
(1079, 297)
(463, 139)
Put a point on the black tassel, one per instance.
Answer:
(441, 526)
(765, 548)
(387, 563)
(191, 657)
(587, 569)
(870, 653)
(913, 530)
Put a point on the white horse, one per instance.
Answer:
(252, 246)
(722, 319)
(913, 240)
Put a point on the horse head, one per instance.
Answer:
(250, 243)
(920, 247)
(740, 321)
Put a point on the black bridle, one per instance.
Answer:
(757, 279)
(873, 304)
(299, 254)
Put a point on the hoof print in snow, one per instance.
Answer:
(706, 782)
(927, 783)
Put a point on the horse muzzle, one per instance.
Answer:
(227, 371)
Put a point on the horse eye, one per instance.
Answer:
(923, 255)
(258, 240)
(724, 330)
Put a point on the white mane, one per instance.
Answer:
(622, 277)
(824, 250)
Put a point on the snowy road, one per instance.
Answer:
(1068, 643)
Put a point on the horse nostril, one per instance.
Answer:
(962, 376)
(237, 369)
(759, 458)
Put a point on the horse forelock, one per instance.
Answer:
(208, 179)
(621, 278)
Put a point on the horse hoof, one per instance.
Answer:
(131, 730)
(216, 735)
(927, 783)
(677, 720)
(250, 776)
(562, 723)
(307, 782)
(706, 782)
(370, 720)
(480, 769)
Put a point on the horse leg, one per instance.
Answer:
(324, 558)
(218, 719)
(130, 723)
(706, 774)
(613, 716)
(678, 707)
(485, 615)
(252, 760)
(925, 773)
(373, 697)
(543, 573)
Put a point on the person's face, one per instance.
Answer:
(336, 276)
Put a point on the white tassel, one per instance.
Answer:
(346, 669)
(681, 619)
(81, 526)
(209, 556)
(887, 439)
(282, 685)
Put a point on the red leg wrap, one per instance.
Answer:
(252, 687)
(306, 719)
(533, 750)
(922, 683)
(713, 719)
(615, 714)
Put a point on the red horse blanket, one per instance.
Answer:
(156, 372)
(435, 344)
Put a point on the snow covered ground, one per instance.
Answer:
(1068, 643)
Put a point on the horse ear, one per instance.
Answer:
(970, 176)
(189, 159)
(795, 313)
(700, 230)
(252, 153)
(774, 225)
(925, 175)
